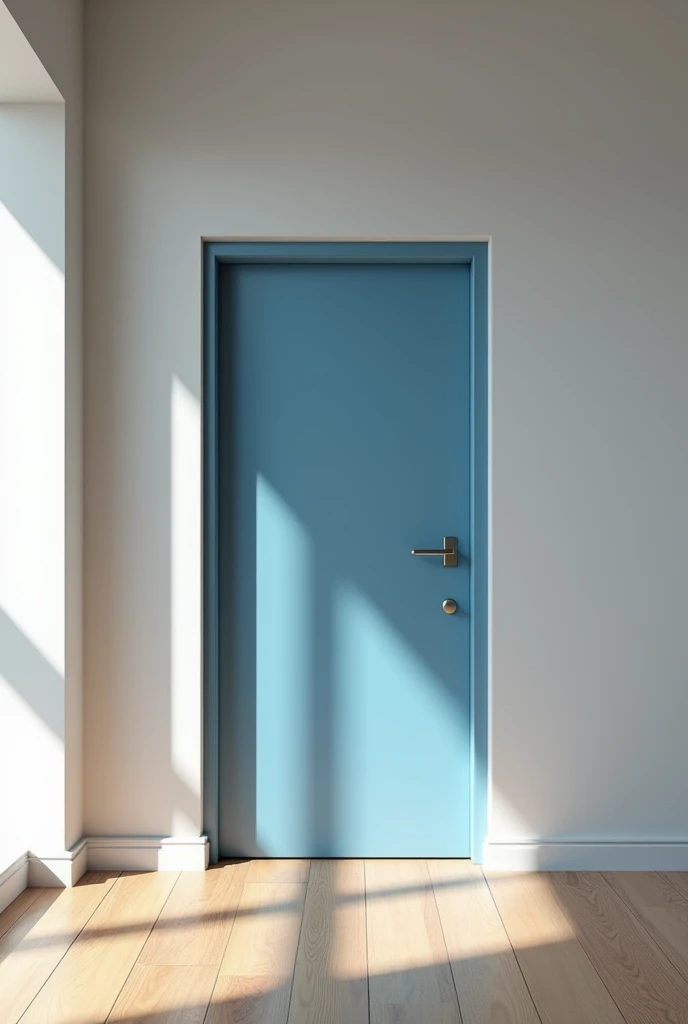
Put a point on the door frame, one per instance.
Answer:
(473, 253)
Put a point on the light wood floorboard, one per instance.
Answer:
(46, 932)
(679, 880)
(660, 908)
(331, 976)
(254, 983)
(488, 980)
(410, 977)
(644, 984)
(17, 909)
(25, 922)
(195, 923)
(164, 995)
(84, 986)
(288, 871)
(349, 942)
(564, 984)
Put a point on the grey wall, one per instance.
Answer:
(559, 130)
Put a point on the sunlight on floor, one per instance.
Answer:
(293, 941)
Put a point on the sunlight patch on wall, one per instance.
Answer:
(32, 515)
(32, 477)
(513, 827)
(22, 733)
(185, 668)
(182, 824)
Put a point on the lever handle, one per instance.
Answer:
(450, 552)
(432, 551)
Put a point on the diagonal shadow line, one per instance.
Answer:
(260, 998)
(283, 907)
(31, 675)
(32, 141)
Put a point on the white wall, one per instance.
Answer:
(54, 29)
(560, 130)
(23, 79)
(32, 472)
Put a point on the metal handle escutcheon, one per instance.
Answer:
(450, 551)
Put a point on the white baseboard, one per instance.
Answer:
(61, 869)
(134, 853)
(586, 856)
(102, 853)
(13, 880)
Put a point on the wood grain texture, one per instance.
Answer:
(563, 983)
(249, 1000)
(644, 985)
(164, 995)
(196, 921)
(410, 978)
(679, 880)
(282, 871)
(661, 909)
(258, 966)
(411, 1013)
(584, 942)
(45, 933)
(84, 986)
(488, 980)
(27, 921)
(331, 976)
(14, 911)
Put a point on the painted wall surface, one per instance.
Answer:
(54, 29)
(559, 130)
(32, 477)
(23, 79)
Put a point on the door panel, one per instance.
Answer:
(344, 395)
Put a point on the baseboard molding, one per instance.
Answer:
(136, 853)
(586, 856)
(13, 880)
(61, 869)
(102, 853)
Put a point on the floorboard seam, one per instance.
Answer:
(38, 891)
(298, 941)
(665, 876)
(634, 913)
(511, 947)
(572, 921)
(224, 950)
(444, 940)
(135, 963)
(85, 924)
(365, 915)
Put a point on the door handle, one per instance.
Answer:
(450, 552)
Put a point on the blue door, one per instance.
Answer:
(344, 437)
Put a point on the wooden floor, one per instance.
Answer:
(348, 942)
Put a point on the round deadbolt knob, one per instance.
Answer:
(449, 605)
